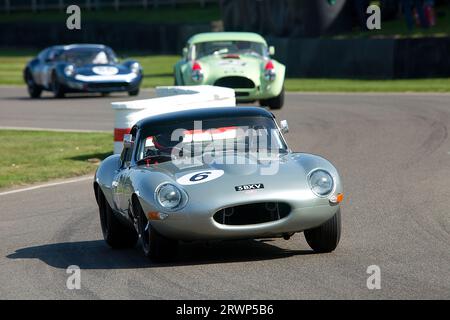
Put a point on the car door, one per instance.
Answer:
(117, 188)
(47, 68)
(39, 66)
(122, 184)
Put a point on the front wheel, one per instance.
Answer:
(33, 89)
(115, 233)
(325, 237)
(57, 89)
(275, 102)
(133, 92)
(155, 246)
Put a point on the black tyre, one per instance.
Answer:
(275, 102)
(34, 90)
(57, 89)
(115, 233)
(154, 245)
(325, 238)
(133, 92)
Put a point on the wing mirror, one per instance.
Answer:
(185, 52)
(284, 126)
(271, 50)
(128, 141)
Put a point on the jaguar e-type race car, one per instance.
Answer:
(81, 68)
(237, 60)
(215, 174)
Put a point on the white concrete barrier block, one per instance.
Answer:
(169, 99)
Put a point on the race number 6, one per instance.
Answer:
(200, 177)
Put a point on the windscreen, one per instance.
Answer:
(213, 136)
(83, 56)
(229, 47)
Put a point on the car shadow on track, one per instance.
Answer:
(96, 254)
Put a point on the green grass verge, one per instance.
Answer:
(158, 72)
(37, 156)
(347, 85)
(188, 13)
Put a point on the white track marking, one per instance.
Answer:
(46, 185)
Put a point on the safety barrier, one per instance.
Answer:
(43, 5)
(169, 99)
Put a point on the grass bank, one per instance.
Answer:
(38, 156)
(158, 71)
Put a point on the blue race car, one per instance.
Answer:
(81, 68)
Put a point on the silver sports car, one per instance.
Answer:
(215, 174)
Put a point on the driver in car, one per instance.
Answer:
(163, 146)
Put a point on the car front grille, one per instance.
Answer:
(106, 85)
(252, 213)
(235, 83)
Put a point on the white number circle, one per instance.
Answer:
(105, 71)
(200, 177)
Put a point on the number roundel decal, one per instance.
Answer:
(200, 177)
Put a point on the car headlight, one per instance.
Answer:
(321, 183)
(197, 75)
(134, 67)
(69, 70)
(169, 196)
(270, 75)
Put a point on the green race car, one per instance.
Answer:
(237, 60)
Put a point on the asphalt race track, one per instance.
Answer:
(392, 151)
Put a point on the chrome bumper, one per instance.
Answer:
(202, 226)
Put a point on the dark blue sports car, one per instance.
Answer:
(81, 68)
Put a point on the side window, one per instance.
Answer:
(127, 153)
(191, 53)
(52, 55)
(43, 54)
(125, 157)
(111, 55)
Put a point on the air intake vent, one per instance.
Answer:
(235, 83)
(253, 213)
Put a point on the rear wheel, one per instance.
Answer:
(155, 246)
(33, 89)
(115, 233)
(325, 237)
(133, 92)
(275, 102)
(57, 89)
